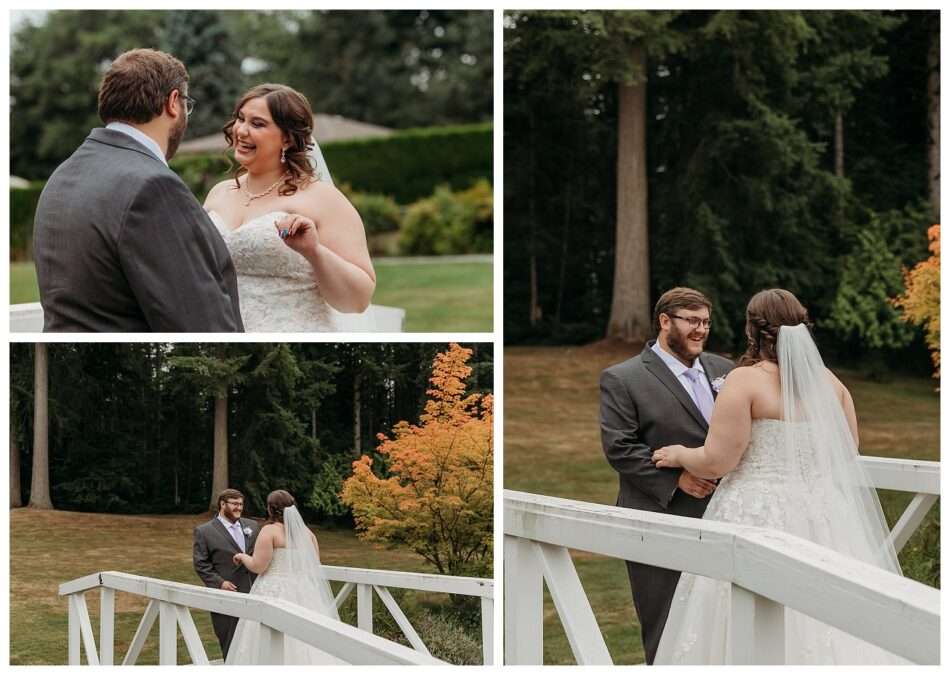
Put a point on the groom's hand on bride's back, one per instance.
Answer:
(695, 486)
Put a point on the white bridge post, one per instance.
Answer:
(271, 647)
(167, 634)
(364, 607)
(107, 626)
(756, 630)
(524, 599)
(488, 631)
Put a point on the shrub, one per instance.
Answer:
(201, 172)
(480, 199)
(324, 498)
(449, 223)
(379, 212)
(22, 209)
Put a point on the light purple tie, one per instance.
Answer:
(237, 535)
(702, 396)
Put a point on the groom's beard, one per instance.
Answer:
(174, 137)
(678, 342)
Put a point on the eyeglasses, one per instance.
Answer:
(189, 104)
(230, 503)
(693, 321)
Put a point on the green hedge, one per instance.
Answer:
(410, 164)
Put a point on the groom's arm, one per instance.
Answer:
(625, 450)
(175, 262)
(201, 557)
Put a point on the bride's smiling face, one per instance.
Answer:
(258, 140)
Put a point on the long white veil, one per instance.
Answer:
(815, 419)
(305, 564)
(319, 163)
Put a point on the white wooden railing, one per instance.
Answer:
(28, 318)
(170, 602)
(369, 582)
(767, 570)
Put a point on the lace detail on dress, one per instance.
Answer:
(276, 287)
(784, 490)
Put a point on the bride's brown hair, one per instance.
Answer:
(277, 501)
(766, 312)
(292, 113)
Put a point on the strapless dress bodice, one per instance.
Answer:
(276, 287)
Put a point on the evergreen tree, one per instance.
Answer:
(201, 40)
(55, 70)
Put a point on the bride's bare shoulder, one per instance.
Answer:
(839, 386)
(220, 191)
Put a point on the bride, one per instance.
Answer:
(784, 437)
(298, 245)
(287, 561)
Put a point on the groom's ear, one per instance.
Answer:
(173, 106)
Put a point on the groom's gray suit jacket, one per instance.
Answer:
(212, 556)
(643, 406)
(121, 244)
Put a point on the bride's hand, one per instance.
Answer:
(238, 559)
(667, 457)
(298, 232)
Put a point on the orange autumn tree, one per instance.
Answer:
(921, 299)
(436, 492)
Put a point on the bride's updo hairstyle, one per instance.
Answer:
(766, 312)
(292, 113)
(277, 501)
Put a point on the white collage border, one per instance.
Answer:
(496, 337)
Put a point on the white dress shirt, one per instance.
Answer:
(141, 137)
(679, 370)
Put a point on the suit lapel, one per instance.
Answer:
(658, 369)
(227, 535)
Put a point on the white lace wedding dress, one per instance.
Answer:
(294, 575)
(783, 491)
(276, 287)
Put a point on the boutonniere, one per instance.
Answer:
(247, 532)
(717, 383)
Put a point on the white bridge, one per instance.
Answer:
(28, 318)
(170, 603)
(767, 570)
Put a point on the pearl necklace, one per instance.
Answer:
(251, 196)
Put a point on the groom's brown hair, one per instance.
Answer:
(677, 298)
(137, 84)
(227, 494)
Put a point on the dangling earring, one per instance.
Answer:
(283, 155)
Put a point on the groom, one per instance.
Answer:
(662, 397)
(119, 241)
(215, 544)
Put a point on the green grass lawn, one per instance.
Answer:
(51, 547)
(437, 296)
(552, 446)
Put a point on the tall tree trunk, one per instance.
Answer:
(839, 144)
(630, 306)
(357, 420)
(16, 497)
(534, 311)
(219, 480)
(39, 487)
(933, 113)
